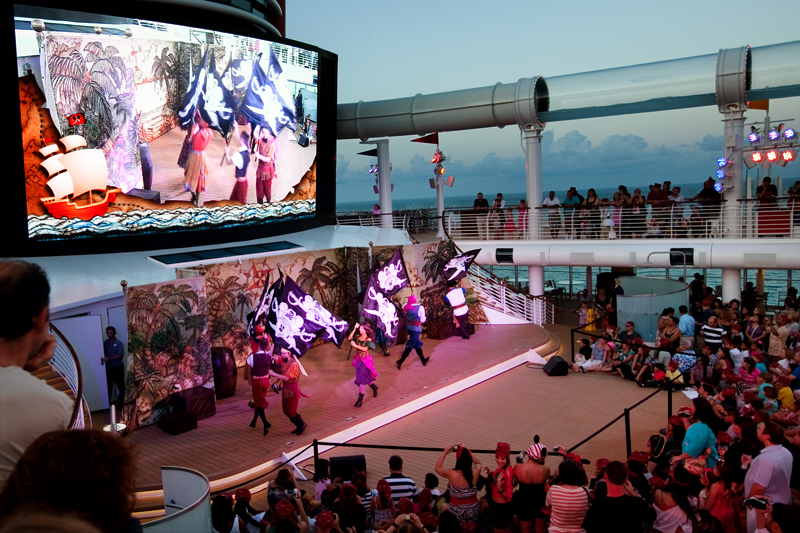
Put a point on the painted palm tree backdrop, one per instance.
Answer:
(169, 346)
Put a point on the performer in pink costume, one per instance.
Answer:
(365, 369)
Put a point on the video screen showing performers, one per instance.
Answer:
(142, 127)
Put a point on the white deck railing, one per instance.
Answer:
(500, 297)
(745, 219)
(65, 363)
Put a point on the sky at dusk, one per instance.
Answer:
(398, 49)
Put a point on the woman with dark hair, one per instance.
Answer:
(749, 373)
(568, 500)
(365, 368)
(754, 331)
(87, 474)
(381, 507)
(592, 204)
(530, 498)
(676, 432)
(364, 492)
(322, 479)
(286, 520)
(351, 512)
(700, 439)
(657, 460)
(282, 488)
(672, 506)
(223, 517)
(461, 483)
(747, 443)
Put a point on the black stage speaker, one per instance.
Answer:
(303, 141)
(556, 367)
(340, 466)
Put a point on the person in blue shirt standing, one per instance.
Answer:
(114, 352)
(686, 325)
(415, 315)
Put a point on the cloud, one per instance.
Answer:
(570, 160)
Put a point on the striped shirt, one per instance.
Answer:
(402, 487)
(366, 499)
(713, 336)
(568, 508)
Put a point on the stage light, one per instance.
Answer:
(436, 157)
(753, 138)
(785, 157)
(722, 162)
(774, 134)
(788, 134)
(757, 157)
(720, 174)
(441, 170)
(772, 156)
(718, 186)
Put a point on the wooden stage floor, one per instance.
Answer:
(224, 444)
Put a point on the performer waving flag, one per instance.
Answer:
(378, 307)
(268, 101)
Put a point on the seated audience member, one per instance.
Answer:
(568, 498)
(246, 512)
(623, 510)
(629, 334)
(672, 505)
(88, 474)
(29, 407)
(349, 509)
(382, 509)
(431, 483)
(291, 517)
(223, 518)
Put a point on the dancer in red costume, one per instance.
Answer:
(290, 395)
(365, 368)
(196, 165)
(260, 362)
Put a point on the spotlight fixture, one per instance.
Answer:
(718, 186)
(772, 156)
(774, 134)
(785, 157)
(720, 174)
(722, 162)
(789, 134)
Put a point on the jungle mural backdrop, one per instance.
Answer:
(168, 346)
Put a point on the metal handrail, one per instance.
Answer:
(69, 368)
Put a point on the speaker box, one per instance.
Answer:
(340, 466)
(177, 423)
(556, 367)
(303, 141)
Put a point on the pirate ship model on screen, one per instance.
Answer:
(73, 174)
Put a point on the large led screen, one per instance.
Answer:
(145, 127)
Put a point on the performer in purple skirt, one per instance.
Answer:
(365, 369)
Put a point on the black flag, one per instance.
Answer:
(268, 101)
(260, 311)
(457, 267)
(392, 276)
(380, 310)
(194, 95)
(218, 102)
(329, 326)
(296, 320)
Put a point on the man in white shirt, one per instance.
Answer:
(769, 473)
(29, 407)
(553, 217)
